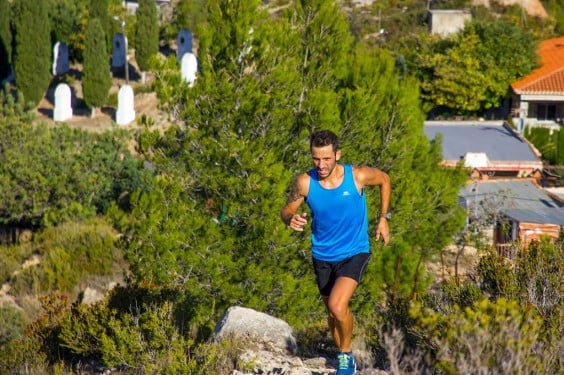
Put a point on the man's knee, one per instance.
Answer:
(338, 311)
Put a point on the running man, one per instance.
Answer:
(335, 195)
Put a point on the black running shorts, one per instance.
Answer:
(327, 273)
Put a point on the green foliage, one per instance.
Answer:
(96, 79)
(470, 71)
(69, 253)
(5, 38)
(547, 141)
(560, 148)
(496, 276)
(11, 258)
(539, 275)
(556, 11)
(263, 87)
(146, 341)
(22, 356)
(147, 33)
(142, 335)
(65, 19)
(12, 324)
(32, 58)
(99, 9)
(52, 175)
(488, 337)
(188, 14)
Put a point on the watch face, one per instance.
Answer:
(388, 216)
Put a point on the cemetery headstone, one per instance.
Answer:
(63, 107)
(189, 67)
(183, 43)
(126, 111)
(119, 50)
(60, 59)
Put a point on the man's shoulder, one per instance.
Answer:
(301, 183)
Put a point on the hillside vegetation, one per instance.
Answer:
(190, 224)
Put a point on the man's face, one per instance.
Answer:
(325, 159)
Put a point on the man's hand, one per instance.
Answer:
(383, 230)
(297, 222)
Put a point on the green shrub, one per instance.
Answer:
(12, 324)
(146, 341)
(489, 337)
(495, 276)
(69, 253)
(544, 141)
(11, 258)
(560, 148)
(22, 357)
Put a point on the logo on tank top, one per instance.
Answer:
(346, 193)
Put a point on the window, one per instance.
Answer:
(546, 112)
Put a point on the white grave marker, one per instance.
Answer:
(126, 111)
(183, 43)
(63, 108)
(60, 59)
(189, 68)
(119, 50)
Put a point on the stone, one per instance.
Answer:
(119, 50)
(256, 329)
(90, 296)
(126, 111)
(189, 68)
(63, 107)
(60, 59)
(183, 43)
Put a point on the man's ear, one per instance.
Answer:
(337, 155)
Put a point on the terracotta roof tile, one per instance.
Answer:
(549, 77)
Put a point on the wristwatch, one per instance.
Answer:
(387, 215)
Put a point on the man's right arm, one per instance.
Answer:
(296, 197)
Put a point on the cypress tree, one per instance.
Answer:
(32, 59)
(5, 39)
(96, 80)
(99, 9)
(147, 33)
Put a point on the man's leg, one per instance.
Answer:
(340, 319)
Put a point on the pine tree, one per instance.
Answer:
(263, 88)
(147, 33)
(5, 38)
(32, 59)
(96, 80)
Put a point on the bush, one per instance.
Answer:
(69, 253)
(12, 326)
(490, 337)
(495, 276)
(51, 175)
(545, 142)
(11, 258)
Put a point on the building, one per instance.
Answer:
(515, 210)
(538, 99)
(491, 149)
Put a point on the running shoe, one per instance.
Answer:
(347, 364)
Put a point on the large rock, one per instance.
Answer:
(256, 329)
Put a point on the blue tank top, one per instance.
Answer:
(339, 228)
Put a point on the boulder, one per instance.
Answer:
(256, 329)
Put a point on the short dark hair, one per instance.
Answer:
(323, 138)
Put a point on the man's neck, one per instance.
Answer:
(335, 178)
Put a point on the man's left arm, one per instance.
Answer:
(367, 176)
